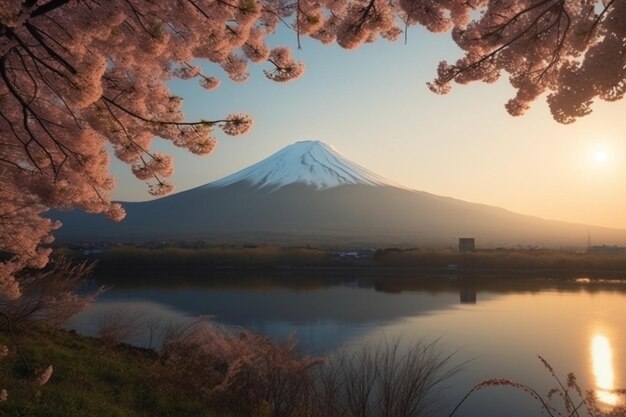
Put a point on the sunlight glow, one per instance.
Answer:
(601, 155)
(602, 360)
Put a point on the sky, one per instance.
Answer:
(373, 106)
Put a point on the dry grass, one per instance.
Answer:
(115, 327)
(261, 377)
(387, 379)
(565, 399)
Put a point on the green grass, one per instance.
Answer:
(89, 379)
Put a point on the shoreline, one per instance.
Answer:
(365, 270)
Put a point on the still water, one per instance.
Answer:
(497, 324)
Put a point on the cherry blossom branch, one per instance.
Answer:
(24, 144)
(366, 11)
(11, 35)
(160, 122)
(57, 93)
(32, 79)
(599, 18)
(516, 16)
(28, 111)
(25, 109)
(119, 122)
(138, 17)
(35, 33)
(48, 7)
(556, 55)
(493, 53)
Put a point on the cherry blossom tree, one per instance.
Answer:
(78, 77)
(575, 51)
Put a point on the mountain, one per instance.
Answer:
(307, 162)
(309, 193)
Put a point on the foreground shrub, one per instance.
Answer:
(118, 326)
(51, 294)
(238, 367)
(261, 377)
(387, 379)
(205, 370)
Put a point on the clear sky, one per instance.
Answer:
(373, 106)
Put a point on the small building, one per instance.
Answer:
(467, 244)
(355, 254)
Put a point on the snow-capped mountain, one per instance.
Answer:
(309, 193)
(309, 162)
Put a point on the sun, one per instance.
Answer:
(601, 155)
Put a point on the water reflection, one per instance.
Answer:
(604, 376)
(514, 319)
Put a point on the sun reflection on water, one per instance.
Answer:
(602, 361)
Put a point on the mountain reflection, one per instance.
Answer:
(327, 308)
(603, 373)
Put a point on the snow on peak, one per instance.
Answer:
(310, 162)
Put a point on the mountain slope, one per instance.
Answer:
(308, 193)
(308, 162)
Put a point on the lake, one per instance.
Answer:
(498, 324)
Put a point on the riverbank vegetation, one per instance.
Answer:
(186, 257)
(198, 369)
(503, 259)
(89, 379)
(566, 398)
(208, 371)
(204, 370)
(194, 257)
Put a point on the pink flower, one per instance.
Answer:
(209, 83)
(116, 212)
(285, 68)
(237, 124)
(44, 377)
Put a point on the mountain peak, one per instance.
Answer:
(308, 141)
(311, 162)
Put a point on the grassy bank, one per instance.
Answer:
(211, 371)
(89, 379)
